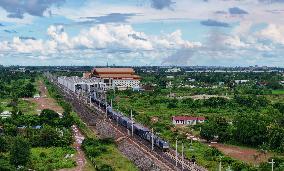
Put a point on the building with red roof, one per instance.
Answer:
(122, 78)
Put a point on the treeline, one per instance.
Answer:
(17, 84)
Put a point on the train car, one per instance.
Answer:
(124, 121)
(140, 130)
(162, 144)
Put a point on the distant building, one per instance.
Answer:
(170, 77)
(5, 114)
(241, 81)
(173, 70)
(187, 120)
(191, 79)
(121, 78)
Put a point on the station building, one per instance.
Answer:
(121, 78)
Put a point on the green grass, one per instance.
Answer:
(44, 159)
(25, 106)
(278, 92)
(115, 159)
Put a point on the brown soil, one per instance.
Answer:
(247, 155)
(44, 102)
(80, 156)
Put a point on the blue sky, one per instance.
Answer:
(142, 32)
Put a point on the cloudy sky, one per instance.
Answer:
(142, 32)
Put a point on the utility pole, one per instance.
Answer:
(182, 156)
(106, 105)
(152, 139)
(220, 164)
(272, 164)
(90, 100)
(131, 123)
(111, 103)
(176, 152)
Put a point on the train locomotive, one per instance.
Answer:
(138, 129)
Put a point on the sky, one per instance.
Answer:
(142, 32)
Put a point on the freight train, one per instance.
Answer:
(138, 129)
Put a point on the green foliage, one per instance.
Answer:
(3, 144)
(16, 84)
(278, 165)
(251, 129)
(52, 158)
(49, 117)
(52, 137)
(104, 155)
(5, 165)
(20, 151)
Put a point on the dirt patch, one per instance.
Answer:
(80, 156)
(44, 102)
(251, 156)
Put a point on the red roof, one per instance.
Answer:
(184, 118)
(113, 71)
(119, 76)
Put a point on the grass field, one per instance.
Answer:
(25, 106)
(278, 92)
(44, 159)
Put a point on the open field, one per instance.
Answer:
(26, 106)
(52, 158)
(249, 155)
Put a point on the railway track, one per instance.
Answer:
(87, 113)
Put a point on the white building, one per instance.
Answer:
(121, 78)
(5, 114)
(173, 70)
(241, 81)
(77, 84)
(187, 120)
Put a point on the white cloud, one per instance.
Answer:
(273, 32)
(104, 36)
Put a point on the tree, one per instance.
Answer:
(67, 120)
(251, 129)
(6, 166)
(20, 151)
(3, 145)
(49, 117)
(207, 131)
(48, 136)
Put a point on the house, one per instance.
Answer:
(187, 120)
(241, 81)
(5, 114)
